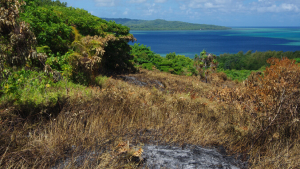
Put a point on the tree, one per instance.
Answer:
(203, 61)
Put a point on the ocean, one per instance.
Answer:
(218, 42)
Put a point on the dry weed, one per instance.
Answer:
(91, 124)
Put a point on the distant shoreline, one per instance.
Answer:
(178, 29)
(296, 27)
(163, 25)
(292, 27)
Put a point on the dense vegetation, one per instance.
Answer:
(57, 105)
(160, 24)
(240, 65)
(175, 64)
(64, 42)
(250, 60)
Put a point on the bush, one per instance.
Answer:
(16, 40)
(96, 45)
(251, 61)
(27, 86)
(148, 66)
(271, 101)
(297, 60)
(222, 76)
(172, 63)
(239, 75)
(101, 81)
(36, 89)
(50, 29)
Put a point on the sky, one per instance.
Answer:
(234, 13)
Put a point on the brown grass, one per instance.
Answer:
(184, 112)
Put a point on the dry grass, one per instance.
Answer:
(94, 122)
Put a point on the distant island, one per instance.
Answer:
(160, 24)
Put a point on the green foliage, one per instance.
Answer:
(101, 80)
(160, 24)
(171, 63)
(46, 3)
(24, 85)
(251, 61)
(142, 53)
(297, 60)
(44, 49)
(50, 29)
(61, 63)
(52, 24)
(98, 45)
(148, 66)
(88, 24)
(239, 75)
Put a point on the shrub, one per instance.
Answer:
(60, 63)
(101, 81)
(16, 40)
(297, 60)
(104, 47)
(271, 100)
(239, 75)
(26, 86)
(222, 76)
(148, 66)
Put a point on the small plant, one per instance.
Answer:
(101, 81)
(129, 153)
(60, 63)
(203, 61)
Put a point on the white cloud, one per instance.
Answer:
(105, 2)
(126, 11)
(209, 11)
(274, 8)
(208, 5)
(182, 7)
(137, 1)
(160, 1)
(241, 6)
(289, 7)
(151, 9)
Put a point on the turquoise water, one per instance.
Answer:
(292, 34)
(189, 43)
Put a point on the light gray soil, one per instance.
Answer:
(171, 157)
(192, 157)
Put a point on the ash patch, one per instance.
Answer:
(148, 83)
(133, 80)
(192, 157)
(165, 156)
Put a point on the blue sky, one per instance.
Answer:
(217, 12)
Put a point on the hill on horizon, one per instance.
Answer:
(160, 24)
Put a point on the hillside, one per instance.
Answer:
(75, 94)
(159, 24)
